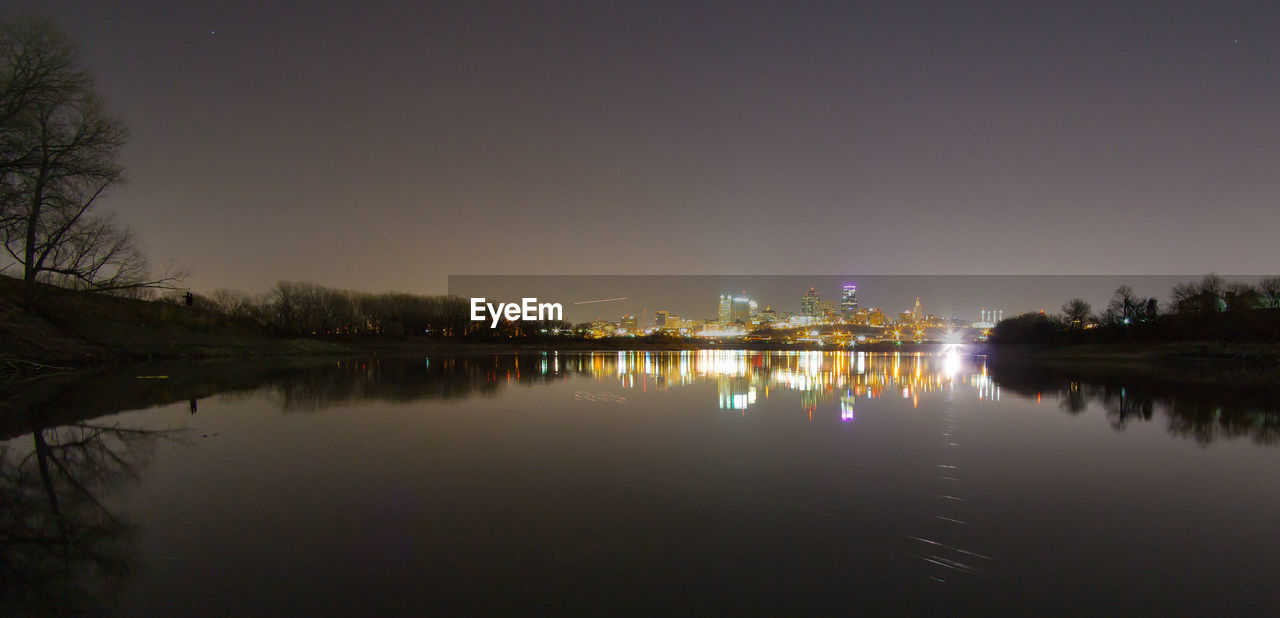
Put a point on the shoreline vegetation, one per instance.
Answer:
(85, 329)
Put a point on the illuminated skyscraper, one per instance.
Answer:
(740, 310)
(809, 304)
(736, 308)
(849, 301)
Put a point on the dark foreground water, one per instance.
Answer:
(653, 484)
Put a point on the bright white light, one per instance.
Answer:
(951, 363)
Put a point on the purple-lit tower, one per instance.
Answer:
(849, 301)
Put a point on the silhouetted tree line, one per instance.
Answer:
(1211, 309)
(299, 308)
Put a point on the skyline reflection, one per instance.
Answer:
(628, 472)
(1201, 403)
(744, 377)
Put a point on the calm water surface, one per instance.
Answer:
(642, 483)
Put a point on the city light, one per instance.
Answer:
(841, 323)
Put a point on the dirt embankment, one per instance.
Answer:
(79, 328)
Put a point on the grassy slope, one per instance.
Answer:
(83, 328)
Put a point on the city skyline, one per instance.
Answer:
(839, 322)
(696, 296)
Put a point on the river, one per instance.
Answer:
(697, 482)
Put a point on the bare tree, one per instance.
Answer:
(231, 302)
(1269, 288)
(1075, 313)
(1124, 305)
(58, 155)
(1206, 296)
(37, 62)
(1213, 288)
(1183, 297)
(1239, 296)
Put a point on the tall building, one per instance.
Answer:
(849, 301)
(660, 318)
(629, 324)
(809, 304)
(917, 312)
(741, 309)
(736, 308)
(828, 309)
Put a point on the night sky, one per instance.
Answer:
(387, 147)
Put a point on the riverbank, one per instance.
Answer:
(76, 329)
(79, 329)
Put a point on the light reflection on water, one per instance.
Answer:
(643, 482)
(821, 376)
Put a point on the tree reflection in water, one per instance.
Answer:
(1204, 403)
(62, 550)
(1201, 402)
